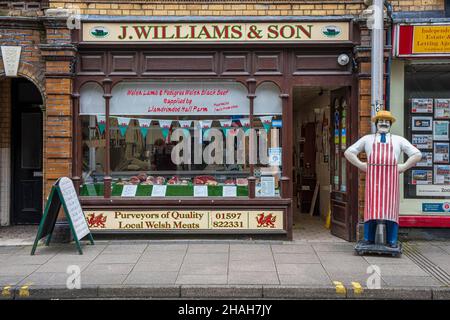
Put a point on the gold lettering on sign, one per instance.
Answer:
(185, 220)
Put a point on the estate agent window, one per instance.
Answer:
(427, 106)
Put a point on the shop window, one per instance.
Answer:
(427, 120)
(179, 135)
(267, 121)
(92, 116)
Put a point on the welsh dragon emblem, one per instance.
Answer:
(266, 221)
(96, 221)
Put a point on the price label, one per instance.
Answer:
(159, 191)
(229, 191)
(200, 191)
(129, 190)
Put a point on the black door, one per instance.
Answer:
(26, 153)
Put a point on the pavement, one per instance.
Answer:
(213, 269)
(313, 266)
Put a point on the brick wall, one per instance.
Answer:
(236, 8)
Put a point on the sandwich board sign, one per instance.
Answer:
(63, 193)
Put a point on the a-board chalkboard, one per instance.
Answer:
(63, 193)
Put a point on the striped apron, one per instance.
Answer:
(382, 183)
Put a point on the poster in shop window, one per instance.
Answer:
(427, 160)
(441, 152)
(440, 130)
(421, 105)
(442, 174)
(422, 141)
(422, 123)
(422, 177)
(442, 108)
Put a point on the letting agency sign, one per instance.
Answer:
(223, 32)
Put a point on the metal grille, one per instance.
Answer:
(413, 253)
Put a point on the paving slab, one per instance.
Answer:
(244, 277)
(250, 256)
(27, 259)
(61, 267)
(166, 247)
(388, 260)
(201, 279)
(99, 278)
(46, 278)
(124, 248)
(333, 247)
(206, 257)
(155, 266)
(17, 269)
(151, 278)
(221, 291)
(396, 270)
(306, 278)
(170, 257)
(208, 248)
(117, 258)
(203, 269)
(292, 248)
(251, 266)
(117, 268)
(296, 258)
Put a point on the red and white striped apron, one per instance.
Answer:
(382, 183)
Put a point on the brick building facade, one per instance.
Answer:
(48, 60)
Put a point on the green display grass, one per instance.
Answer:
(172, 191)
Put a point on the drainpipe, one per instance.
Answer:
(389, 61)
(377, 54)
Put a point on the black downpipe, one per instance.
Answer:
(389, 61)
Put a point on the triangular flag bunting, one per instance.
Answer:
(245, 123)
(101, 121)
(226, 125)
(205, 125)
(144, 124)
(123, 124)
(165, 127)
(266, 122)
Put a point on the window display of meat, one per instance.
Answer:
(160, 180)
(142, 176)
(242, 182)
(174, 180)
(229, 182)
(204, 179)
(134, 180)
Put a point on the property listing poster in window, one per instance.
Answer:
(422, 106)
(442, 174)
(440, 130)
(422, 123)
(442, 108)
(441, 152)
(420, 176)
(422, 141)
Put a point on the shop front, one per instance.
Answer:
(187, 126)
(421, 99)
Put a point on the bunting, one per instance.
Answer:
(165, 127)
(101, 121)
(123, 124)
(266, 122)
(144, 125)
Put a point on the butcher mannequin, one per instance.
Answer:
(382, 168)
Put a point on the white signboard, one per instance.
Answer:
(73, 207)
(129, 190)
(179, 98)
(11, 58)
(229, 191)
(200, 191)
(159, 191)
(433, 191)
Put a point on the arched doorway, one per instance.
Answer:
(26, 152)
